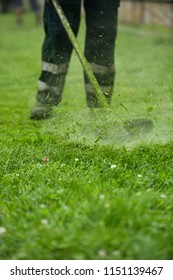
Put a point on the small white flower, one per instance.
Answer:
(113, 166)
(107, 205)
(42, 206)
(138, 193)
(102, 253)
(163, 196)
(44, 222)
(116, 253)
(66, 208)
(39, 165)
(2, 230)
(102, 196)
(60, 191)
(139, 175)
(76, 159)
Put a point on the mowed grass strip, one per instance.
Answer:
(66, 199)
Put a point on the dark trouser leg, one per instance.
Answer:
(35, 7)
(56, 51)
(101, 31)
(5, 6)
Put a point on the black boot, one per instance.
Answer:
(46, 100)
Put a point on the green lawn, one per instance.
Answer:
(69, 191)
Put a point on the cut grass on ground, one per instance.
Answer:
(69, 192)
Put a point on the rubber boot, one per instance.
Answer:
(46, 101)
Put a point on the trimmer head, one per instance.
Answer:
(136, 126)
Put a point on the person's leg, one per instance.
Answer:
(101, 31)
(56, 53)
(5, 6)
(18, 10)
(35, 7)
